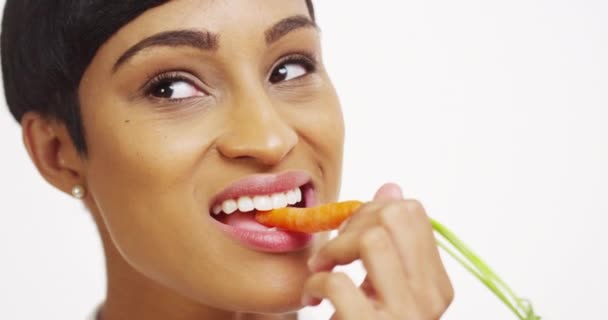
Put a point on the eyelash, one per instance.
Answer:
(165, 77)
(307, 60)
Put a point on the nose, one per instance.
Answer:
(256, 131)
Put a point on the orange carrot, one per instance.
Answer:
(321, 218)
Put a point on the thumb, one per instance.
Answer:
(389, 191)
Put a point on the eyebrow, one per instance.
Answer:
(287, 25)
(199, 39)
(208, 41)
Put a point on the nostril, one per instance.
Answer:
(267, 143)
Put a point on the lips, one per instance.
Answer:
(264, 192)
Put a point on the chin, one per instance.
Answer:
(273, 303)
(272, 292)
(256, 283)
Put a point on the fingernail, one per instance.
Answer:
(395, 191)
(389, 191)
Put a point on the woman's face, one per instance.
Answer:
(182, 103)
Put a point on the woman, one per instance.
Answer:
(173, 121)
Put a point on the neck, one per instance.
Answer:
(131, 295)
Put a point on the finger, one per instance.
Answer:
(385, 269)
(367, 288)
(380, 257)
(411, 230)
(344, 249)
(364, 216)
(388, 191)
(341, 250)
(348, 301)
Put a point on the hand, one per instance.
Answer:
(406, 279)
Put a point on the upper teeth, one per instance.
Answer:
(260, 202)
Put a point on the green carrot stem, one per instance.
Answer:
(483, 272)
(475, 259)
(488, 283)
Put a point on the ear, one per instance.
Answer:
(52, 151)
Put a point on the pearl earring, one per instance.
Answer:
(78, 191)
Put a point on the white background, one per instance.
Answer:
(492, 113)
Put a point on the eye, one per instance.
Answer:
(172, 87)
(291, 68)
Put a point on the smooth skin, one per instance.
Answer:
(155, 162)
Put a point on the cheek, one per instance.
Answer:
(141, 176)
(322, 129)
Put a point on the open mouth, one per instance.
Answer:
(239, 212)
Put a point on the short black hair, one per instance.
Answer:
(46, 45)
